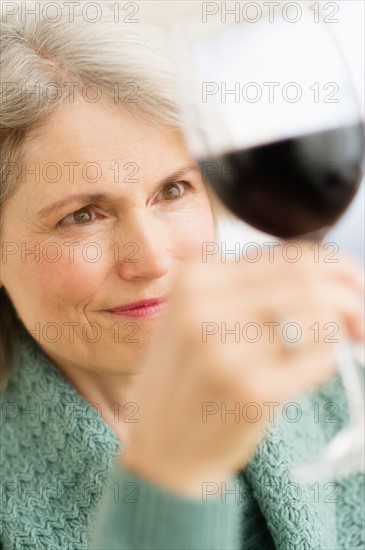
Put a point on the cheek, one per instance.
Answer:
(75, 278)
(196, 228)
(69, 279)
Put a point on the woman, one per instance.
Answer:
(141, 427)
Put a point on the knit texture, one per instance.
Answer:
(62, 488)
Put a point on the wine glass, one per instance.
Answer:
(270, 114)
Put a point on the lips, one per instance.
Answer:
(140, 304)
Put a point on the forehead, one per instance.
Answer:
(86, 132)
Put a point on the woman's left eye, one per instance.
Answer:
(83, 216)
(174, 191)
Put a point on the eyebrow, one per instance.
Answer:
(93, 197)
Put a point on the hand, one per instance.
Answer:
(174, 444)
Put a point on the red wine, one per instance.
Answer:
(291, 187)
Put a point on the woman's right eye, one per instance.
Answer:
(83, 216)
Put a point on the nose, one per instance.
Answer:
(143, 251)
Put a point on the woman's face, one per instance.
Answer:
(102, 221)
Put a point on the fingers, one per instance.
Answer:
(299, 373)
(274, 381)
(319, 310)
(308, 265)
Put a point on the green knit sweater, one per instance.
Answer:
(62, 488)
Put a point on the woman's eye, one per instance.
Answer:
(173, 191)
(80, 217)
